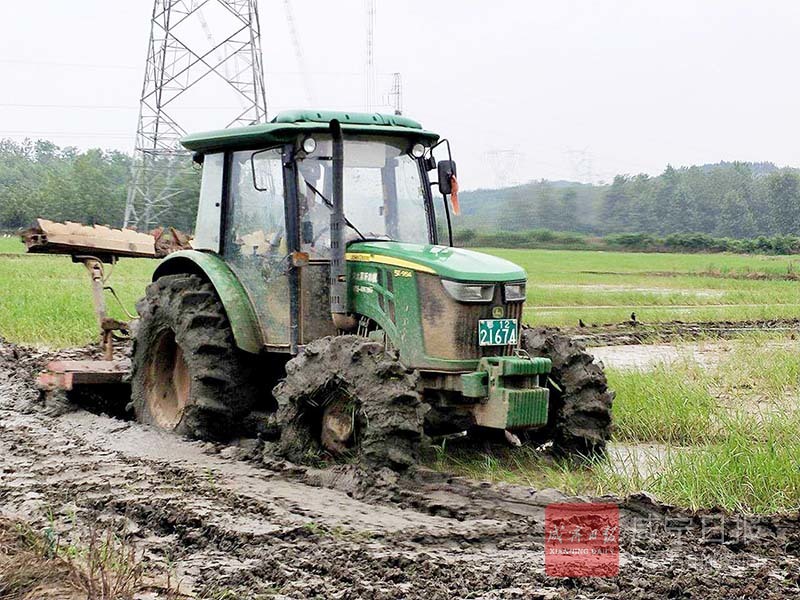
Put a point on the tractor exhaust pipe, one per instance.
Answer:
(338, 280)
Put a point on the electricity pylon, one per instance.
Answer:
(369, 63)
(396, 94)
(188, 61)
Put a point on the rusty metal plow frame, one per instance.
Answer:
(108, 325)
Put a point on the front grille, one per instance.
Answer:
(511, 310)
(450, 328)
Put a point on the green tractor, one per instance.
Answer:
(325, 301)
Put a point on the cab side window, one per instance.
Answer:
(256, 217)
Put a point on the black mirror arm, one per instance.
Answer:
(446, 142)
(253, 168)
(449, 223)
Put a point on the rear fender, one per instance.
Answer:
(210, 266)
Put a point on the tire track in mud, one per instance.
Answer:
(261, 526)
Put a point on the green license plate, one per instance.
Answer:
(497, 332)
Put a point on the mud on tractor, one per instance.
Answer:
(323, 294)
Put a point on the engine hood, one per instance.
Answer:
(450, 263)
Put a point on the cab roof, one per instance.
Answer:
(286, 126)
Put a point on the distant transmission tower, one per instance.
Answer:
(298, 53)
(581, 164)
(505, 166)
(369, 64)
(396, 94)
(186, 65)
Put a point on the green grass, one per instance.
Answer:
(11, 245)
(754, 468)
(670, 404)
(682, 403)
(605, 287)
(751, 469)
(521, 466)
(46, 300)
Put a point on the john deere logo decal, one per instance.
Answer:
(498, 312)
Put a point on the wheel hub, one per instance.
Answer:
(168, 383)
(337, 428)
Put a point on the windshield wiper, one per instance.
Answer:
(329, 204)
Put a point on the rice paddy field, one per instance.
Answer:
(714, 425)
(46, 299)
(605, 287)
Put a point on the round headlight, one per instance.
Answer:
(309, 145)
(417, 150)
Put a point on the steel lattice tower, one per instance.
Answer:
(188, 60)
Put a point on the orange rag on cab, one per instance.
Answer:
(454, 193)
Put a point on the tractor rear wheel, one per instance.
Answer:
(345, 395)
(580, 402)
(188, 375)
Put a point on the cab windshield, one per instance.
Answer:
(384, 197)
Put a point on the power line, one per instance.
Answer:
(104, 106)
(121, 106)
(67, 133)
(131, 67)
(298, 53)
(13, 61)
(369, 64)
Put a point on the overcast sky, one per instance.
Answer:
(523, 89)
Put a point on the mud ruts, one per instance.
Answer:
(264, 527)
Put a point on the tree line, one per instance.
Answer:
(40, 179)
(631, 242)
(725, 200)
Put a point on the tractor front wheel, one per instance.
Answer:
(580, 402)
(346, 396)
(188, 375)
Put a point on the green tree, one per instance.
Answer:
(784, 201)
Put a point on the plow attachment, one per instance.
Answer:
(105, 243)
(93, 246)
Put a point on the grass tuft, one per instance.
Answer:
(522, 466)
(753, 469)
(36, 565)
(670, 404)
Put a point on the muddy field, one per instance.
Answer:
(232, 522)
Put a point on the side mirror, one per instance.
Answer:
(447, 169)
(429, 162)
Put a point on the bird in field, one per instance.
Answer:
(633, 319)
(581, 323)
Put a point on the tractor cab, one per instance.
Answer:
(270, 207)
(324, 223)
(267, 208)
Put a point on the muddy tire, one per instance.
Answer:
(346, 396)
(580, 406)
(188, 375)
